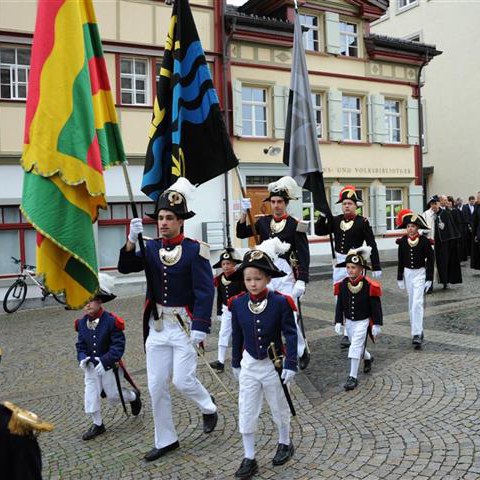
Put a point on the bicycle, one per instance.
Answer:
(17, 292)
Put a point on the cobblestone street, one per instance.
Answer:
(415, 416)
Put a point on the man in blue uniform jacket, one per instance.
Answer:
(182, 286)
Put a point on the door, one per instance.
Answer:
(259, 207)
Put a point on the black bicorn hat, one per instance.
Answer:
(433, 199)
(227, 254)
(284, 187)
(407, 216)
(257, 259)
(358, 256)
(106, 283)
(174, 199)
(349, 192)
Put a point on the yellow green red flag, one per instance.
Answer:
(71, 136)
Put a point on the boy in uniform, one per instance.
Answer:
(415, 268)
(259, 319)
(359, 306)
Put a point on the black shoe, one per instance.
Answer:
(445, 286)
(367, 364)
(345, 342)
(218, 365)
(417, 341)
(430, 290)
(351, 383)
(155, 453)
(93, 431)
(284, 454)
(136, 405)
(210, 420)
(304, 360)
(247, 469)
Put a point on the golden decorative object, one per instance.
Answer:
(175, 198)
(277, 227)
(225, 281)
(355, 288)
(257, 307)
(170, 257)
(255, 255)
(346, 225)
(92, 324)
(413, 243)
(22, 422)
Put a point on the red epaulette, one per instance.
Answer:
(231, 299)
(336, 288)
(75, 325)
(375, 287)
(119, 321)
(216, 281)
(290, 300)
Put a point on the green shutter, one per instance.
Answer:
(335, 116)
(237, 108)
(412, 119)
(334, 194)
(332, 28)
(376, 122)
(279, 110)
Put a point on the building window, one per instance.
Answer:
(348, 39)
(311, 38)
(135, 81)
(14, 70)
(158, 66)
(309, 214)
(392, 120)
(406, 3)
(317, 103)
(254, 111)
(394, 203)
(352, 118)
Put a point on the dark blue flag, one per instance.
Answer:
(188, 137)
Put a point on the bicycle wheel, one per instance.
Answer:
(59, 298)
(15, 296)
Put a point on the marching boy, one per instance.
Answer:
(100, 347)
(359, 306)
(415, 268)
(259, 319)
(226, 289)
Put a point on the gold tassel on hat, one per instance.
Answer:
(23, 422)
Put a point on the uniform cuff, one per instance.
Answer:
(290, 365)
(201, 325)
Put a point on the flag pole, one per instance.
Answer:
(148, 274)
(249, 212)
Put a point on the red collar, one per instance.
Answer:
(173, 241)
(414, 237)
(97, 315)
(261, 296)
(279, 219)
(356, 281)
(349, 217)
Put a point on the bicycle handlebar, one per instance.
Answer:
(24, 265)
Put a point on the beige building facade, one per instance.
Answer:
(451, 95)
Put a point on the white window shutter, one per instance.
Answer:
(380, 209)
(334, 194)
(415, 198)
(412, 118)
(376, 123)
(335, 115)
(332, 28)
(279, 111)
(237, 108)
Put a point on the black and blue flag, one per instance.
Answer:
(187, 135)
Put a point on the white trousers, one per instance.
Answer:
(285, 285)
(259, 378)
(415, 286)
(357, 332)
(171, 356)
(225, 332)
(339, 273)
(94, 384)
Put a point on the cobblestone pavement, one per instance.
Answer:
(415, 416)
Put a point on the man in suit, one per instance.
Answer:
(467, 214)
(475, 260)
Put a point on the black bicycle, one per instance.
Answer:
(17, 292)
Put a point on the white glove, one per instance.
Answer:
(339, 329)
(245, 204)
(99, 368)
(288, 376)
(197, 337)
(401, 284)
(298, 289)
(84, 363)
(236, 372)
(376, 330)
(136, 227)
(376, 274)
(428, 284)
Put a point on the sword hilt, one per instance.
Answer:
(277, 361)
